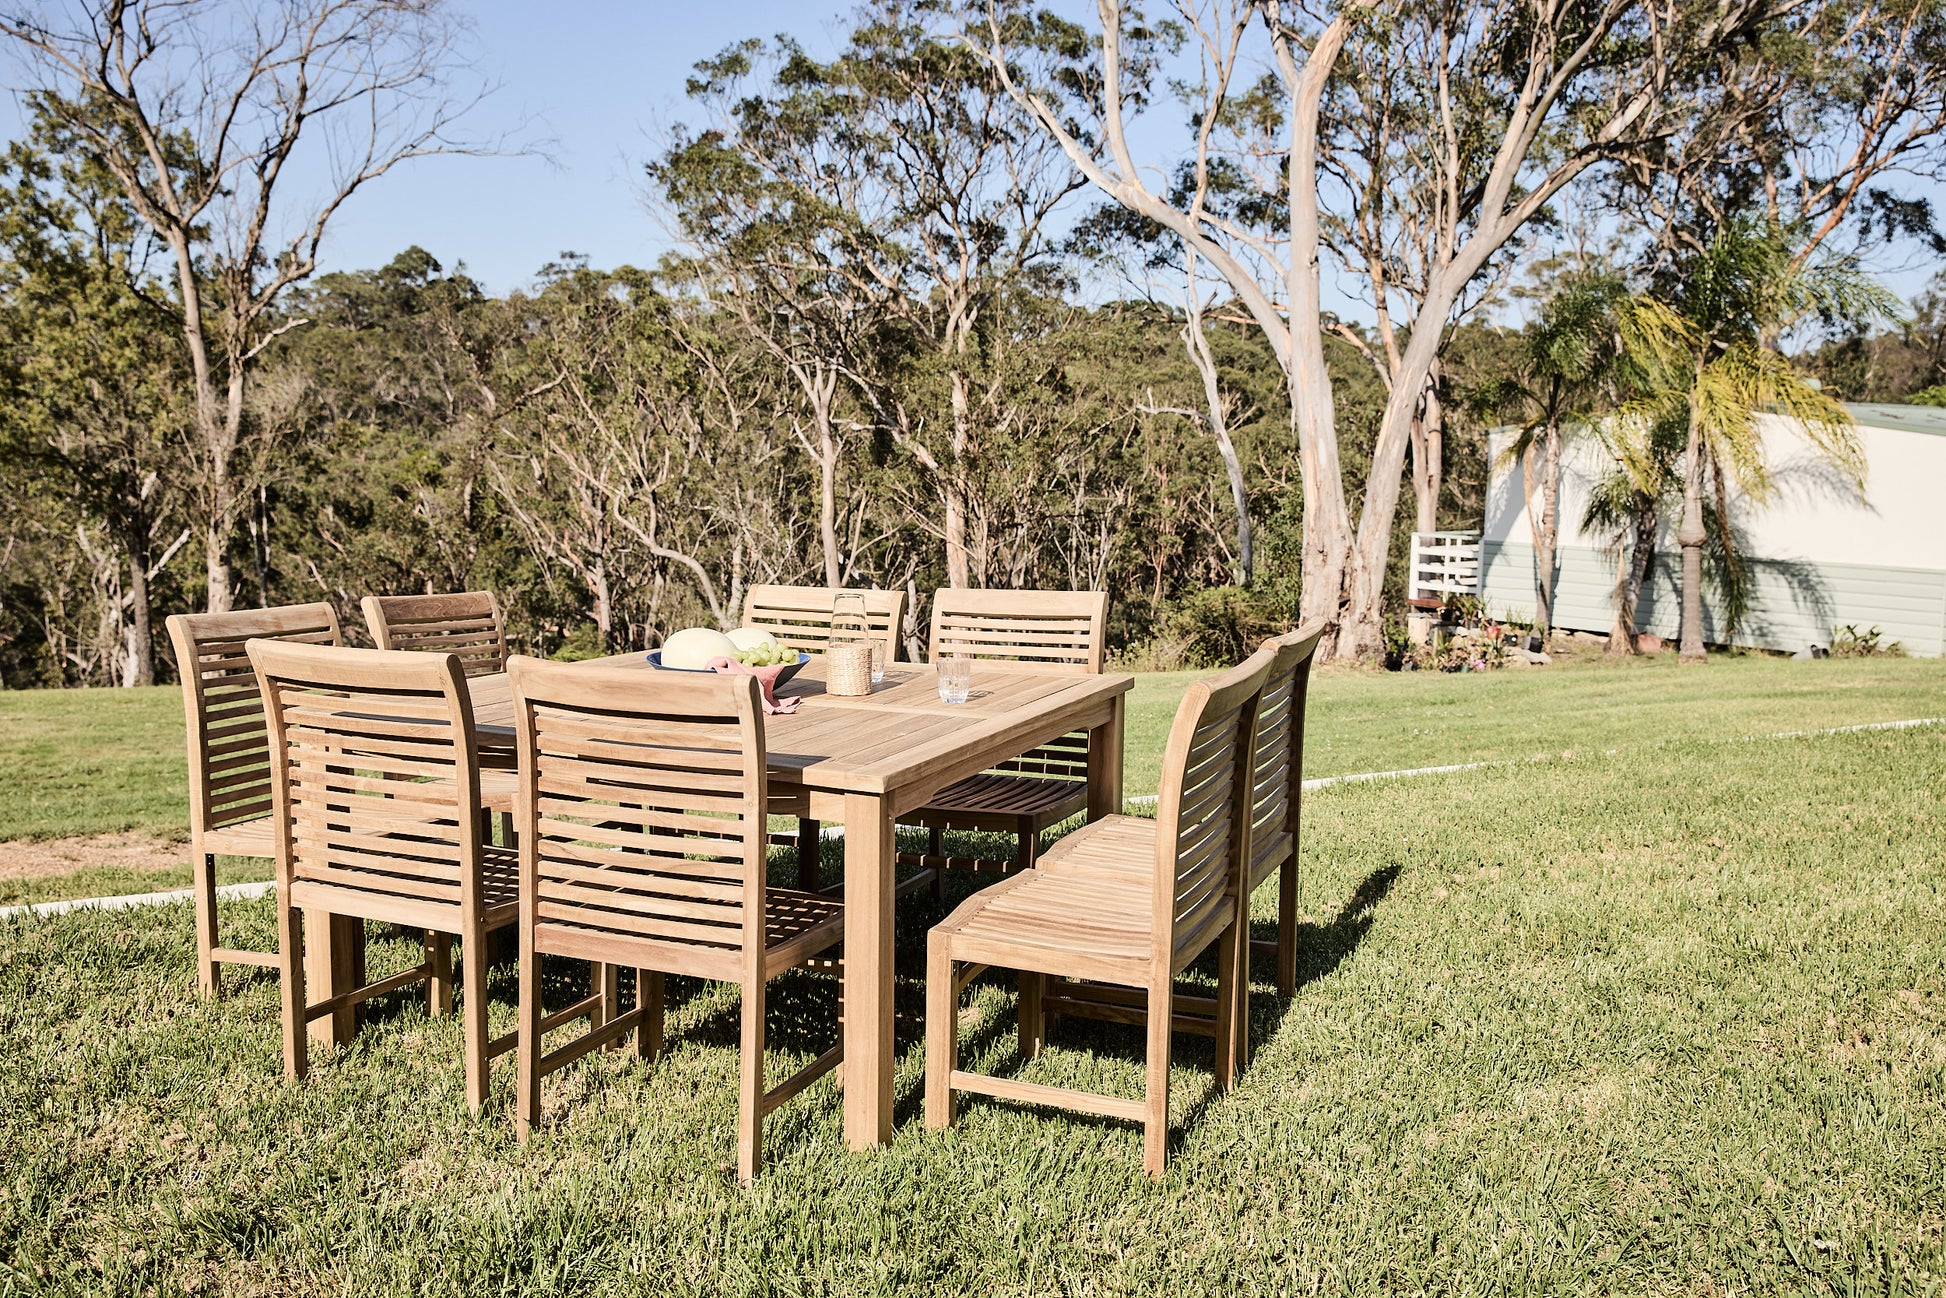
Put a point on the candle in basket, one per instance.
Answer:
(848, 655)
(848, 668)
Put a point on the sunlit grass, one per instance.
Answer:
(1667, 1022)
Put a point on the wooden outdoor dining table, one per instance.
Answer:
(862, 762)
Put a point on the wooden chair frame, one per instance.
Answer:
(800, 617)
(1032, 630)
(1277, 797)
(643, 842)
(377, 799)
(229, 760)
(1092, 924)
(1279, 793)
(467, 624)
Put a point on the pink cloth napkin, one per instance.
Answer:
(766, 678)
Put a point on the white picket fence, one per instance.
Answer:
(1443, 564)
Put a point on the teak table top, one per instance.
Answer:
(900, 737)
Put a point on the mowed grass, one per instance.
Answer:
(1386, 721)
(103, 761)
(1657, 1021)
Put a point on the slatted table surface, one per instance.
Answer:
(863, 762)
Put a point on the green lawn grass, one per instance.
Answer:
(96, 761)
(1665, 1020)
(93, 762)
(1378, 721)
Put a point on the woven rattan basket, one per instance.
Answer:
(848, 668)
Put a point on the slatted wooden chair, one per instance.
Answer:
(799, 617)
(467, 624)
(1279, 793)
(1037, 630)
(229, 760)
(1118, 927)
(1276, 797)
(642, 843)
(377, 800)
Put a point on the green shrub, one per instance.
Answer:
(1216, 627)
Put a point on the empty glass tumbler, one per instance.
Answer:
(955, 678)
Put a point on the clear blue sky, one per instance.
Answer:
(602, 80)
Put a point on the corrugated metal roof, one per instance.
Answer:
(1907, 419)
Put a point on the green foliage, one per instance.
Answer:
(1848, 641)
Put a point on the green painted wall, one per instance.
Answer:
(1791, 604)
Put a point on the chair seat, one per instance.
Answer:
(798, 925)
(497, 790)
(1124, 846)
(1076, 925)
(1001, 800)
(1116, 846)
(245, 838)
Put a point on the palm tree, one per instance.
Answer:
(1591, 343)
(1733, 300)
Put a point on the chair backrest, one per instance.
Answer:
(467, 624)
(642, 810)
(1280, 744)
(1040, 630)
(800, 616)
(375, 775)
(229, 761)
(1203, 809)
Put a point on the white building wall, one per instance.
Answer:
(1821, 554)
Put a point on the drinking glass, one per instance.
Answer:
(955, 678)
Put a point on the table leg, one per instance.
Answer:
(334, 952)
(1105, 763)
(868, 971)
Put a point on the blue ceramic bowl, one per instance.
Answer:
(784, 670)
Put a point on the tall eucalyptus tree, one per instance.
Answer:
(1514, 103)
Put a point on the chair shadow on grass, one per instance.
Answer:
(1321, 948)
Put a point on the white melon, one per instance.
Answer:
(752, 637)
(693, 648)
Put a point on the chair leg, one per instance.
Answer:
(208, 981)
(1033, 1020)
(607, 978)
(1232, 977)
(1287, 926)
(936, 849)
(942, 1035)
(527, 1100)
(648, 997)
(506, 829)
(810, 872)
(750, 1084)
(1155, 1121)
(439, 965)
(473, 968)
(1240, 994)
(1027, 853)
(290, 972)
